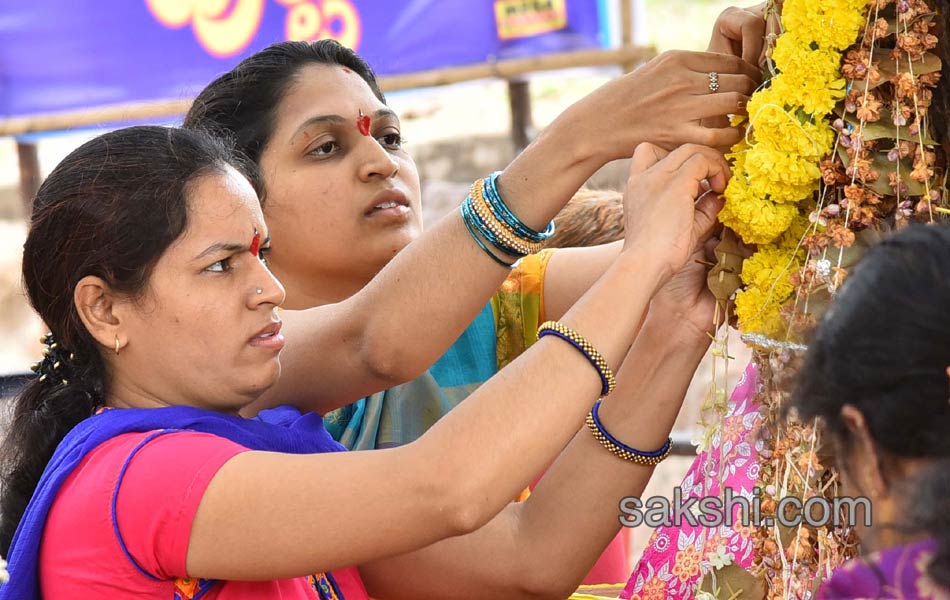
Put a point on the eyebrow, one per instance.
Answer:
(229, 248)
(338, 119)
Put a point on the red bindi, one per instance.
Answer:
(363, 123)
(345, 70)
(256, 243)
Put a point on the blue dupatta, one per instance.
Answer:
(282, 429)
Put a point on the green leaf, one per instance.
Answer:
(733, 582)
(928, 63)
(892, 21)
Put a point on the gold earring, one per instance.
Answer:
(116, 345)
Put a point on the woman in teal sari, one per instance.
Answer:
(342, 204)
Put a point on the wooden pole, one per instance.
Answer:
(519, 101)
(507, 69)
(626, 31)
(519, 66)
(30, 175)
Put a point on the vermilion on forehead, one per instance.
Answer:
(256, 243)
(363, 123)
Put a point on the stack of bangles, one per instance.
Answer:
(608, 383)
(491, 223)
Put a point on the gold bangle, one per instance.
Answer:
(581, 343)
(640, 459)
(502, 231)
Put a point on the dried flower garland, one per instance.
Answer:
(839, 152)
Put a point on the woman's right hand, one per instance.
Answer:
(663, 102)
(663, 218)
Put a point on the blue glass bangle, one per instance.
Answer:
(600, 427)
(605, 383)
(482, 245)
(486, 232)
(504, 214)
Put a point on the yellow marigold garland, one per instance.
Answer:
(776, 169)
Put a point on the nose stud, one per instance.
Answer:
(259, 291)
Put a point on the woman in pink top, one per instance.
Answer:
(129, 473)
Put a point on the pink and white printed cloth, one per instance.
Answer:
(672, 563)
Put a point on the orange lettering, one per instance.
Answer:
(223, 34)
(336, 19)
(343, 12)
(303, 22)
(172, 13)
(222, 27)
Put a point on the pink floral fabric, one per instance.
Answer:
(672, 563)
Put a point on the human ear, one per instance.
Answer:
(869, 472)
(101, 310)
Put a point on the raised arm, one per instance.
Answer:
(739, 32)
(542, 548)
(269, 516)
(404, 319)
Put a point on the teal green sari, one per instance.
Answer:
(503, 329)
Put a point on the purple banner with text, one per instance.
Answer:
(58, 55)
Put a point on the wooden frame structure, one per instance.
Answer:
(627, 56)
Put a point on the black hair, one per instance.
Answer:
(884, 348)
(241, 104)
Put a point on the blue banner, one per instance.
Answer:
(58, 55)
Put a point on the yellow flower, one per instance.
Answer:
(769, 269)
(777, 165)
(831, 24)
(756, 220)
(758, 312)
(795, 56)
(781, 176)
(778, 128)
(799, 228)
(815, 94)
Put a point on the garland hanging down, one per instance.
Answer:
(839, 151)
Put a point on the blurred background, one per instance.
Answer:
(455, 133)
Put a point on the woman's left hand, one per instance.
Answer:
(663, 102)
